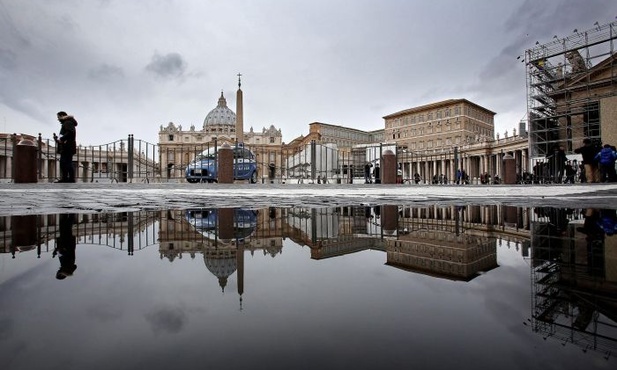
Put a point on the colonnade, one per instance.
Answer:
(442, 167)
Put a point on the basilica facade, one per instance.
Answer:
(179, 146)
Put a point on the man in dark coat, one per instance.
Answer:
(588, 151)
(67, 146)
(557, 162)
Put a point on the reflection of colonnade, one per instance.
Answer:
(128, 231)
(329, 232)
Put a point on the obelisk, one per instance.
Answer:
(239, 114)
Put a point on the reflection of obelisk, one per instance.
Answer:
(239, 114)
(240, 268)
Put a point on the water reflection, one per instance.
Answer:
(574, 278)
(572, 253)
(65, 247)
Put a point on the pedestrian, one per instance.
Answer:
(416, 178)
(557, 162)
(377, 174)
(606, 159)
(367, 173)
(588, 151)
(570, 172)
(66, 145)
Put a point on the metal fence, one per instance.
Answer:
(126, 160)
(136, 160)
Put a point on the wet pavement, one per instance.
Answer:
(46, 198)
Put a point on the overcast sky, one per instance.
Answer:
(127, 67)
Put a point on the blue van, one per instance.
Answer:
(205, 167)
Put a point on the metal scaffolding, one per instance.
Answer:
(566, 80)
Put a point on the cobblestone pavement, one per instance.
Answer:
(46, 198)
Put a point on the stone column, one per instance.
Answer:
(389, 170)
(225, 165)
(509, 173)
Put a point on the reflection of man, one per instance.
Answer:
(65, 247)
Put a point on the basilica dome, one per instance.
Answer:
(221, 118)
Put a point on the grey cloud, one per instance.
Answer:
(537, 21)
(105, 72)
(9, 29)
(171, 65)
(8, 59)
(167, 320)
(540, 19)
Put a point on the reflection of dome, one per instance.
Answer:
(221, 263)
(221, 118)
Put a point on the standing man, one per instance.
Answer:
(588, 151)
(556, 163)
(607, 157)
(367, 173)
(67, 146)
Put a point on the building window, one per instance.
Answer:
(170, 137)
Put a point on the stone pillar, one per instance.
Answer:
(388, 172)
(509, 173)
(25, 162)
(225, 165)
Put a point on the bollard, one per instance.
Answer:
(509, 165)
(25, 162)
(225, 174)
(390, 169)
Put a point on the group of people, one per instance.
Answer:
(597, 165)
(598, 162)
(368, 177)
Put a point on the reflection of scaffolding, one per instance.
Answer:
(572, 301)
(567, 79)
